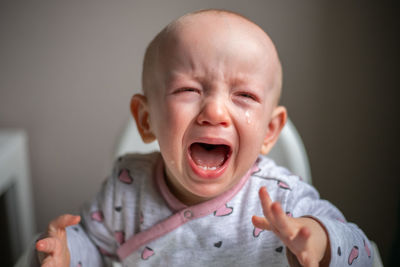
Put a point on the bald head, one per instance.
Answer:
(205, 27)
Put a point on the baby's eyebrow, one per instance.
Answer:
(179, 76)
(237, 79)
(240, 79)
(181, 80)
(174, 77)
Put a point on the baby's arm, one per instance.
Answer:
(305, 237)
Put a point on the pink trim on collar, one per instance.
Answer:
(182, 213)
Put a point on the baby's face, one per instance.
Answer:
(212, 109)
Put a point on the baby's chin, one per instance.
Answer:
(204, 194)
(212, 188)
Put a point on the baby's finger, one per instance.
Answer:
(261, 222)
(301, 240)
(267, 204)
(47, 245)
(265, 201)
(298, 246)
(270, 209)
(281, 221)
(63, 221)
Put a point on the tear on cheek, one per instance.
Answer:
(247, 115)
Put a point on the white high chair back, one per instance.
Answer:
(288, 151)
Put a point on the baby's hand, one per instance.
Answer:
(53, 250)
(304, 237)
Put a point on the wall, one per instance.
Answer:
(69, 68)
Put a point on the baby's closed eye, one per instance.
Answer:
(246, 96)
(186, 90)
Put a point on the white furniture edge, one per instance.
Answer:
(14, 175)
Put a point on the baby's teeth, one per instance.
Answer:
(206, 168)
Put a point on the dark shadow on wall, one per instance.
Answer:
(394, 260)
(351, 134)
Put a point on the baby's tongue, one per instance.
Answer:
(208, 155)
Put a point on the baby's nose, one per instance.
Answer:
(214, 112)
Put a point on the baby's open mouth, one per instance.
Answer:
(209, 157)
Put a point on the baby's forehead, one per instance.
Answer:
(205, 29)
(211, 23)
(213, 33)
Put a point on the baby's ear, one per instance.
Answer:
(275, 126)
(140, 111)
